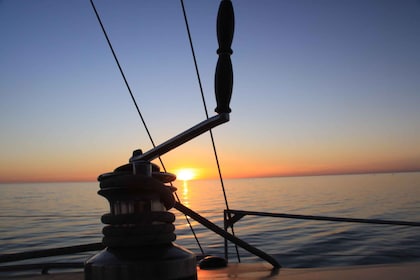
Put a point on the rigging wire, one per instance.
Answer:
(207, 116)
(122, 73)
(138, 111)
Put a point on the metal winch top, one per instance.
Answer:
(139, 231)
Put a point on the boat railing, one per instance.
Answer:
(46, 266)
(231, 216)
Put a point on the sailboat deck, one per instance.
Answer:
(251, 271)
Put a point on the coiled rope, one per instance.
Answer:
(139, 226)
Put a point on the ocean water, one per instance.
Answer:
(47, 215)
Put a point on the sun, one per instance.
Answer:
(185, 174)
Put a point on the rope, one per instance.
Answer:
(138, 109)
(140, 226)
(207, 116)
(142, 229)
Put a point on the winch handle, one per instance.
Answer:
(223, 85)
(223, 79)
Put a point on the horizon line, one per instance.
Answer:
(303, 174)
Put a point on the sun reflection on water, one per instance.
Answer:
(185, 193)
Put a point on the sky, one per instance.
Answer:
(320, 87)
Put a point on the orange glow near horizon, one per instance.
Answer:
(232, 167)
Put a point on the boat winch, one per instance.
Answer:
(139, 231)
(139, 234)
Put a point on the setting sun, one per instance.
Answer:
(185, 174)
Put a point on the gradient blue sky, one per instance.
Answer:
(320, 87)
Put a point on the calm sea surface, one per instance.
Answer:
(48, 215)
